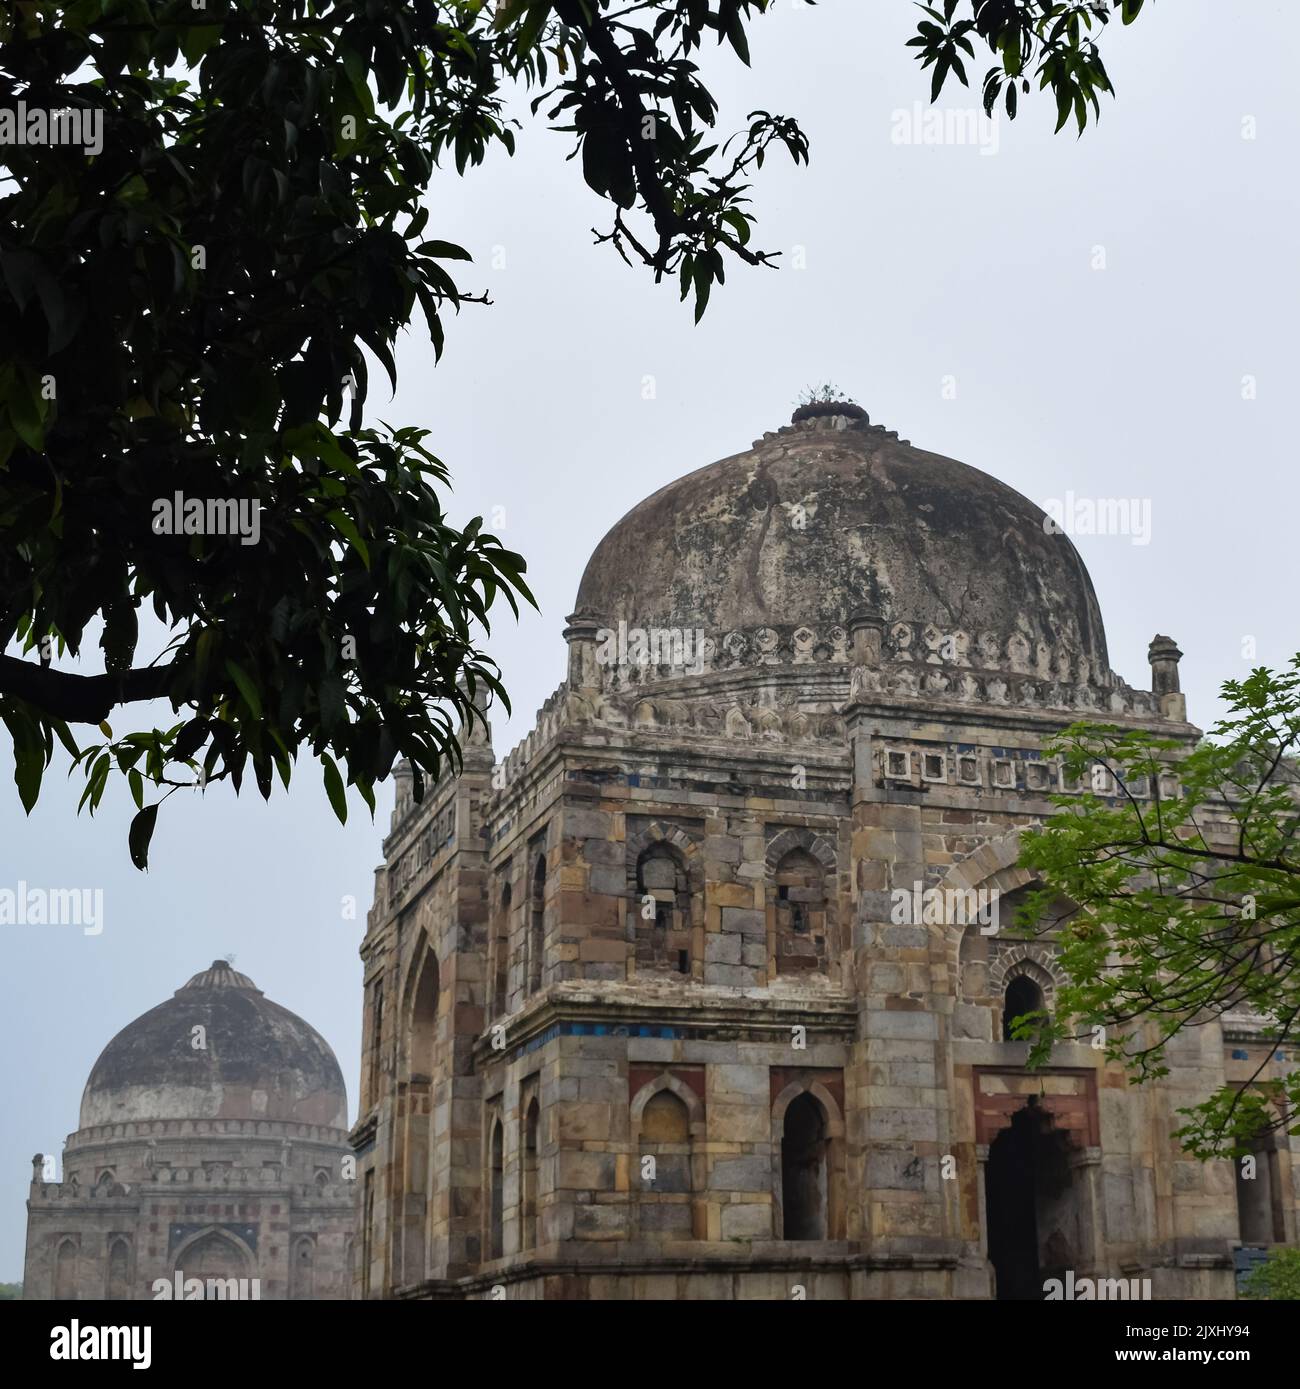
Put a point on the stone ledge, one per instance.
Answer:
(698, 1007)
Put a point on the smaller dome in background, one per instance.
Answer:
(253, 1059)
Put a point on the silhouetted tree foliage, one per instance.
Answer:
(191, 309)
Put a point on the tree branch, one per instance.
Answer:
(59, 694)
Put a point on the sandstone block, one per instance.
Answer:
(722, 950)
(741, 1174)
(744, 922)
(750, 1221)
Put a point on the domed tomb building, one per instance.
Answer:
(704, 990)
(212, 1145)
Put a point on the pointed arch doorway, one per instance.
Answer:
(1028, 1170)
(1038, 1144)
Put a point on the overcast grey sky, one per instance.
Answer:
(924, 265)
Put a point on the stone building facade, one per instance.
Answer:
(656, 1005)
(211, 1156)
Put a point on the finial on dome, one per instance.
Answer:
(827, 402)
(220, 974)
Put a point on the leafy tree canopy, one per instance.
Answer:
(188, 303)
(1050, 40)
(1277, 1279)
(1185, 874)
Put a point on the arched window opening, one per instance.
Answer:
(501, 957)
(804, 1185)
(1036, 1207)
(119, 1262)
(537, 926)
(1023, 996)
(1259, 1193)
(424, 1020)
(800, 911)
(531, 1125)
(367, 1231)
(414, 1170)
(302, 1270)
(376, 1041)
(664, 1167)
(65, 1270)
(1059, 913)
(663, 938)
(496, 1192)
(214, 1259)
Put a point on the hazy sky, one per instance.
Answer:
(924, 266)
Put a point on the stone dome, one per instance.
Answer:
(832, 516)
(259, 1061)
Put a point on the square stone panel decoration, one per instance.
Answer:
(898, 764)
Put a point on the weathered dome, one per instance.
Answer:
(257, 1061)
(832, 516)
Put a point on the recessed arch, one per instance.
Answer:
(994, 866)
(667, 1081)
(798, 916)
(117, 1281)
(1032, 962)
(808, 1176)
(662, 909)
(537, 923)
(805, 1196)
(1023, 995)
(496, 1189)
(1260, 1181)
(65, 1269)
(663, 832)
(216, 1253)
(420, 1013)
(530, 1163)
(668, 1132)
(981, 960)
(499, 962)
(413, 1169)
(1036, 1203)
(797, 837)
(834, 1115)
(302, 1268)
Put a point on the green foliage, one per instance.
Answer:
(191, 309)
(11, 1292)
(185, 311)
(825, 394)
(1052, 40)
(1277, 1279)
(1186, 902)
